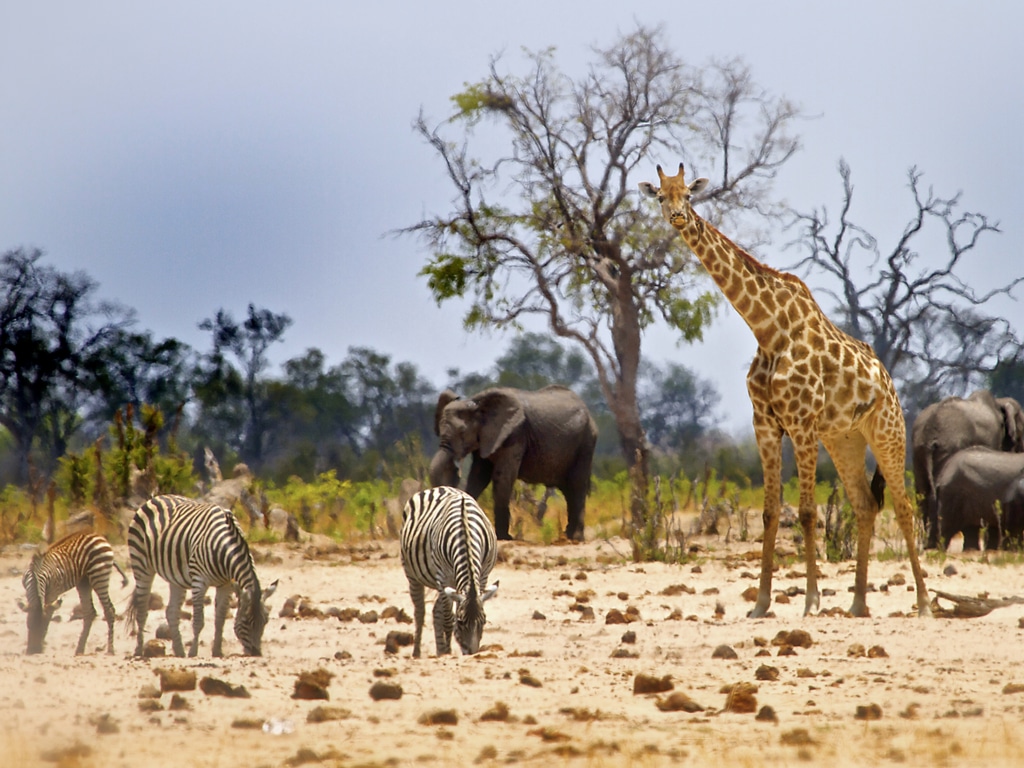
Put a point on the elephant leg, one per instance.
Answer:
(972, 539)
(502, 492)
(575, 501)
(993, 536)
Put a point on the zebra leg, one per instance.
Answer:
(109, 615)
(140, 604)
(419, 613)
(444, 622)
(174, 603)
(198, 620)
(88, 613)
(220, 615)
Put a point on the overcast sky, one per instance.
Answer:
(193, 156)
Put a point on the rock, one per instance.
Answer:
(313, 685)
(176, 679)
(439, 717)
(178, 703)
(629, 637)
(382, 690)
(856, 651)
(868, 712)
(677, 701)
(767, 673)
(741, 699)
(530, 680)
(649, 684)
(767, 714)
(211, 686)
(154, 649)
(497, 713)
(724, 652)
(327, 714)
(396, 640)
(877, 652)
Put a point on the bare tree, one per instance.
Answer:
(544, 221)
(920, 315)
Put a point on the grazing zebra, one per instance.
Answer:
(195, 545)
(448, 544)
(82, 560)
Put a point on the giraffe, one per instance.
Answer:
(813, 382)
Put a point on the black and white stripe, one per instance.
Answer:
(448, 544)
(82, 560)
(195, 545)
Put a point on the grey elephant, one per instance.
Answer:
(951, 425)
(545, 437)
(967, 489)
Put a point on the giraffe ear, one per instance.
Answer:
(698, 185)
(648, 189)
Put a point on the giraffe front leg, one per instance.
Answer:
(769, 444)
(806, 453)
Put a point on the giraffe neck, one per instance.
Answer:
(754, 289)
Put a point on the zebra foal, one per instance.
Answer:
(448, 544)
(82, 560)
(195, 545)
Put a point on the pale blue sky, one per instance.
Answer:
(205, 155)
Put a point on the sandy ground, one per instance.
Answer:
(554, 682)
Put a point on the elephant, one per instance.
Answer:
(545, 436)
(967, 489)
(944, 428)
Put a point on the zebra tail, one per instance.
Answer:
(130, 615)
(124, 578)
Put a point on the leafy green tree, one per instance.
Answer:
(51, 330)
(545, 221)
(235, 399)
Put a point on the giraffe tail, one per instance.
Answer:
(878, 487)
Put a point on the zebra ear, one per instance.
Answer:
(489, 592)
(452, 594)
(270, 590)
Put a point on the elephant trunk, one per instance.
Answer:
(444, 470)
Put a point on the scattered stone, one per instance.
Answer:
(910, 713)
(176, 679)
(897, 580)
(624, 653)
(868, 712)
(856, 651)
(247, 723)
(381, 690)
(313, 685)
(677, 701)
(211, 686)
(877, 652)
(497, 713)
(766, 715)
(385, 672)
(150, 705)
(154, 649)
(767, 673)
(798, 737)
(396, 640)
(69, 756)
(538, 616)
(614, 616)
(949, 570)
(179, 703)
(105, 724)
(439, 717)
(650, 684)
(750, 594)
(1013, 688)
(741, 699)
(787, 650)
(149, 691)
(530, 680)
(629, 637)
(548, 734)
(369, 617)
(782, 599)
(724, 652)
(327, 714)
(163, 631)
(719, 609)
(677, 589)
(804, 673)
(396, 613)
(798, 638)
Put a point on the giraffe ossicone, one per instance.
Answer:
(813, 382)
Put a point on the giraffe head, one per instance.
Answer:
(674, 196)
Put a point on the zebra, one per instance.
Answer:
(82, 560)
(195, 545)
(448, 544)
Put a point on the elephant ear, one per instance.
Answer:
(1013, 423)
(443, 400)
(501, 415)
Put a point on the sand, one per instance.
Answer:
(554, 681)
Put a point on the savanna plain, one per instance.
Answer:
(587, 659)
